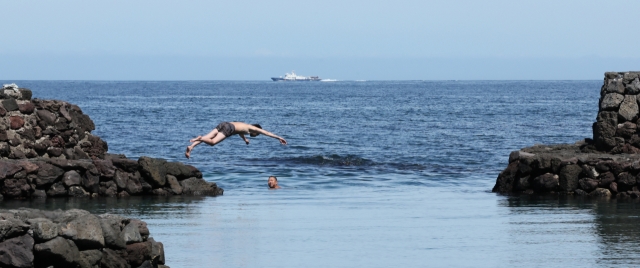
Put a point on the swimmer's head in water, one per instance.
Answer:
(273, 182)
(253, 133)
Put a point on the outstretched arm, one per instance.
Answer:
(243, 138)
(267, 133)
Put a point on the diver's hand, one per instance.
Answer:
(246, 141)
(284, 142)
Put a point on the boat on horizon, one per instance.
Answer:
(294, 77)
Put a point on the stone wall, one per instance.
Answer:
(47, 150)
(606, 166)
(75, 238)
(45, 128)
(616, 126)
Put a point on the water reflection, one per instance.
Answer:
(143, 207)
(375, 227)
(602, 232)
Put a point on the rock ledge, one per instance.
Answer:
(75, 238)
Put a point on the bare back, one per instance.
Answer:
(242, 128)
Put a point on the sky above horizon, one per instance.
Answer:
(372, 40)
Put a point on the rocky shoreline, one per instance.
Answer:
(47, 150)
(75, 238)
(608, 165)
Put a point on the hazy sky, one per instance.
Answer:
(254, 40)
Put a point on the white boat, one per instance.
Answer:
(294, 77)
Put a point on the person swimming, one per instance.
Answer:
(227, 129)
(273, 183)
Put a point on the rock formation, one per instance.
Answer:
(75, 238)
(47, 150)
(608, 165)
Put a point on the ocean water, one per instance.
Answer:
(376, 173)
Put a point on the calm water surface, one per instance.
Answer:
(376, 174)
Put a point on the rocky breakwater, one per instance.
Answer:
(606, 165)
(47, 150)
(75, 238)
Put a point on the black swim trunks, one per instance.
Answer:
(226, 128)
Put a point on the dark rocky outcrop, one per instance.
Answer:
(47, 150)
(24, 178)
(608, 165)
(567, 169)
(75, 238)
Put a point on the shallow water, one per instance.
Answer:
(376, 174)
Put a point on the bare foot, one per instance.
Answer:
(195, 139)
(188, 152)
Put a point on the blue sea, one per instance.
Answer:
(376, 173)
